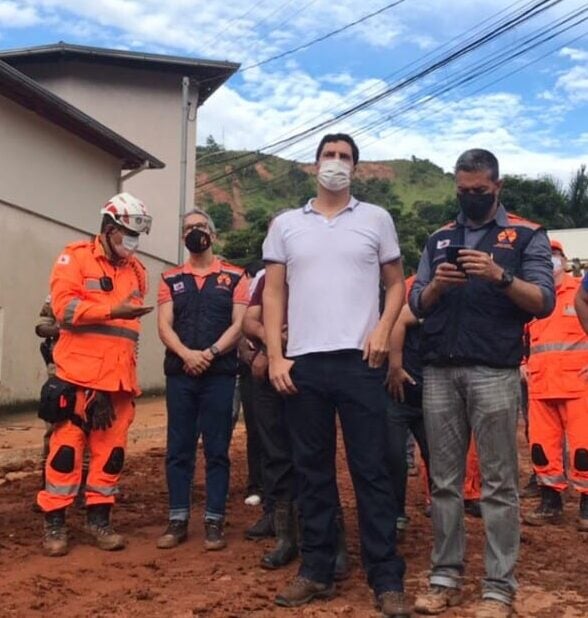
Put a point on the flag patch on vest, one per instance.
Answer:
(179, 286)
(441, 244)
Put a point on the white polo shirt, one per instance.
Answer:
(333, 273)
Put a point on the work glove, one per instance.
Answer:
(99, 411)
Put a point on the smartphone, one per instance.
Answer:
(452, 253)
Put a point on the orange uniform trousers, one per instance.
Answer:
(63, 470)
(550, 422)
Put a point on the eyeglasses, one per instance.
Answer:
(196, 226)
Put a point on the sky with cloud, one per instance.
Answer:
(527, 104)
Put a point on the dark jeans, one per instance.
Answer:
(342, 381)
(278, 469)
(254, 446)
(198, 405)
(403, 418)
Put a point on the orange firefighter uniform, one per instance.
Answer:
(94, 351)
(558, 395)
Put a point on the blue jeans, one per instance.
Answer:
(403, 418)
(342, 382)
(198, 405)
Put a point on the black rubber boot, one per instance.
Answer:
(342, 561)
(549, 511)
(583, 517)
(286, 548)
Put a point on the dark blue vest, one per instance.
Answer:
(202, 316)
(477, 324)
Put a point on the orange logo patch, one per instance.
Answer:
(223, 279)
(507, 236)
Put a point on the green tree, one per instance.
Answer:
(577, 198)
(538, 199)
(222, 215)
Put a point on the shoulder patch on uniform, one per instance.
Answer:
(231, 268)
(451, 225)
(521, 222)
(172, 272)
(64, 259)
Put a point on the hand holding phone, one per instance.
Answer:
(452, 253)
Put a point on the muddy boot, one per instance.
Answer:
(583, 519)
(286, 548)
(55, 534)
(342, 560)
(531, 489)
(263, 528)
(549, 511)
(214, 535)
(99, 528)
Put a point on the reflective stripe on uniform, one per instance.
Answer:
(92, 284)
(580, 483)
(103, 329)
(558, 347)
(103, 491)
(70, 310)
(545, 479)
(62, 490)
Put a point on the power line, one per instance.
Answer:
(324, 37)
(522, 17)
(474, 72)
(487, 26)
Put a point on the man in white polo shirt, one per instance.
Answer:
(331, 256)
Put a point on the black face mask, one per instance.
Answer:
(476, 206)
(197, 241)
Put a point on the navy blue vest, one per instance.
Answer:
(477, 324)
(202, 316)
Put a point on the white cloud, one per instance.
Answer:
(14, 15)
(575, 84)
(574, 54)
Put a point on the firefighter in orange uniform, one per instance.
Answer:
(97, 291)
(558, 401)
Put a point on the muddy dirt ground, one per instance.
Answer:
(187, 582)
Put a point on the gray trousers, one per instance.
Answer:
(485, 401)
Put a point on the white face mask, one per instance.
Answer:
(334, 174)
(558, 265)
(128, 246)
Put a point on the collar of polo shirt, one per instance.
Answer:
(353, 203)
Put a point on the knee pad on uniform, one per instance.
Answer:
(538, 456)
(581, 460)
(64, 460)
(115, 461)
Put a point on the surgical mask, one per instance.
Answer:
(127, 246)
(476, 206)
(334, 175)
(558, 265)
(197, 241)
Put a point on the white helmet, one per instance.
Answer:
(130, 212)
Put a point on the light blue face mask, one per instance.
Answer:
(130, 243)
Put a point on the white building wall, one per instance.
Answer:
(145, 107)
(50, 184)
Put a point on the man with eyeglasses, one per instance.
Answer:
(201, 307)
(97, 292)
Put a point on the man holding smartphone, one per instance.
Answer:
(473, 312)
(97, 292)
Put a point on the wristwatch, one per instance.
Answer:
(506, 279)
(214, 349)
